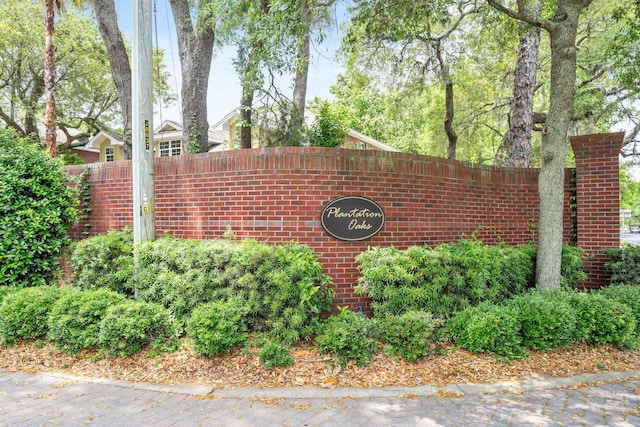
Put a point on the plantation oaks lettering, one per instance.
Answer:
(352, 218)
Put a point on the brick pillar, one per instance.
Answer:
(598, 200)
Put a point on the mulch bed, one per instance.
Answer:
(239, 369)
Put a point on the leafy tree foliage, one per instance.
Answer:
(326, 131)
(36, 210)
(402, 103)
(417, 40)
(85, 95)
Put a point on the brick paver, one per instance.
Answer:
(56, 400)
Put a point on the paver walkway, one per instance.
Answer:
(47, 399)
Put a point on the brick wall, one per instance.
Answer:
(598, 200)
(86, 155)
(277, 194)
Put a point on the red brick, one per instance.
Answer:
(426, 200)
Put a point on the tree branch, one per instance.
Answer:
(521, 15)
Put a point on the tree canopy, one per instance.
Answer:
(86, 96)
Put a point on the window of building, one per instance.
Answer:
(170, 148)
(109, 154)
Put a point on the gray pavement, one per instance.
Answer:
(51, 399)
(633, 238)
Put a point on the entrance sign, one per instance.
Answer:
(352, 218)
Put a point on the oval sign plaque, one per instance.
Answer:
(352, 218)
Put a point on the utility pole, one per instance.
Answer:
(144, 228)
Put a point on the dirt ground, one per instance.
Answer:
(238, 369)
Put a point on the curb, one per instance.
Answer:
(534, 383)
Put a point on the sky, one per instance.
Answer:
(224, 87)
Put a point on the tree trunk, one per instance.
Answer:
(515, 148)
(246, 120)
(302, 69)
(196, 52)
(50, 79)
(448, 122)
(521, 124)
(119, 63)
(449, 107)
(555, 148)
(249, 71)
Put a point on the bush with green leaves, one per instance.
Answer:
(36, 210)
(410, 335)
(182, 274)
(283, 287)
(625, 294)
(546, 321)
(128, 327)
(218, 326)
(349, 336)
(571, 264)
(74, 320)
(601, 320)
(6, 290)
(624, 265)
(104, 261)
(273, 354)
(24, 313)
(326, 131)
(441, 280)
(488, 328)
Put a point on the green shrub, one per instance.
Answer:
(625, 294)
(546, 321)
(129, 326)
(410, 335)
(601, 320)
(273, 354)
(349, 336)
(74, 320)
(571, 267)
(23, 313)
(182, 274)
(442, 280)
(36, 210)
(218, 326)
(104, 261)
(283, 287)
(488, 328)
(6, 290)
(624, 265)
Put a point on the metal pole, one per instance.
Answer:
(144, 228)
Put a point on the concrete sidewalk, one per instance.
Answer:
(54, 399)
